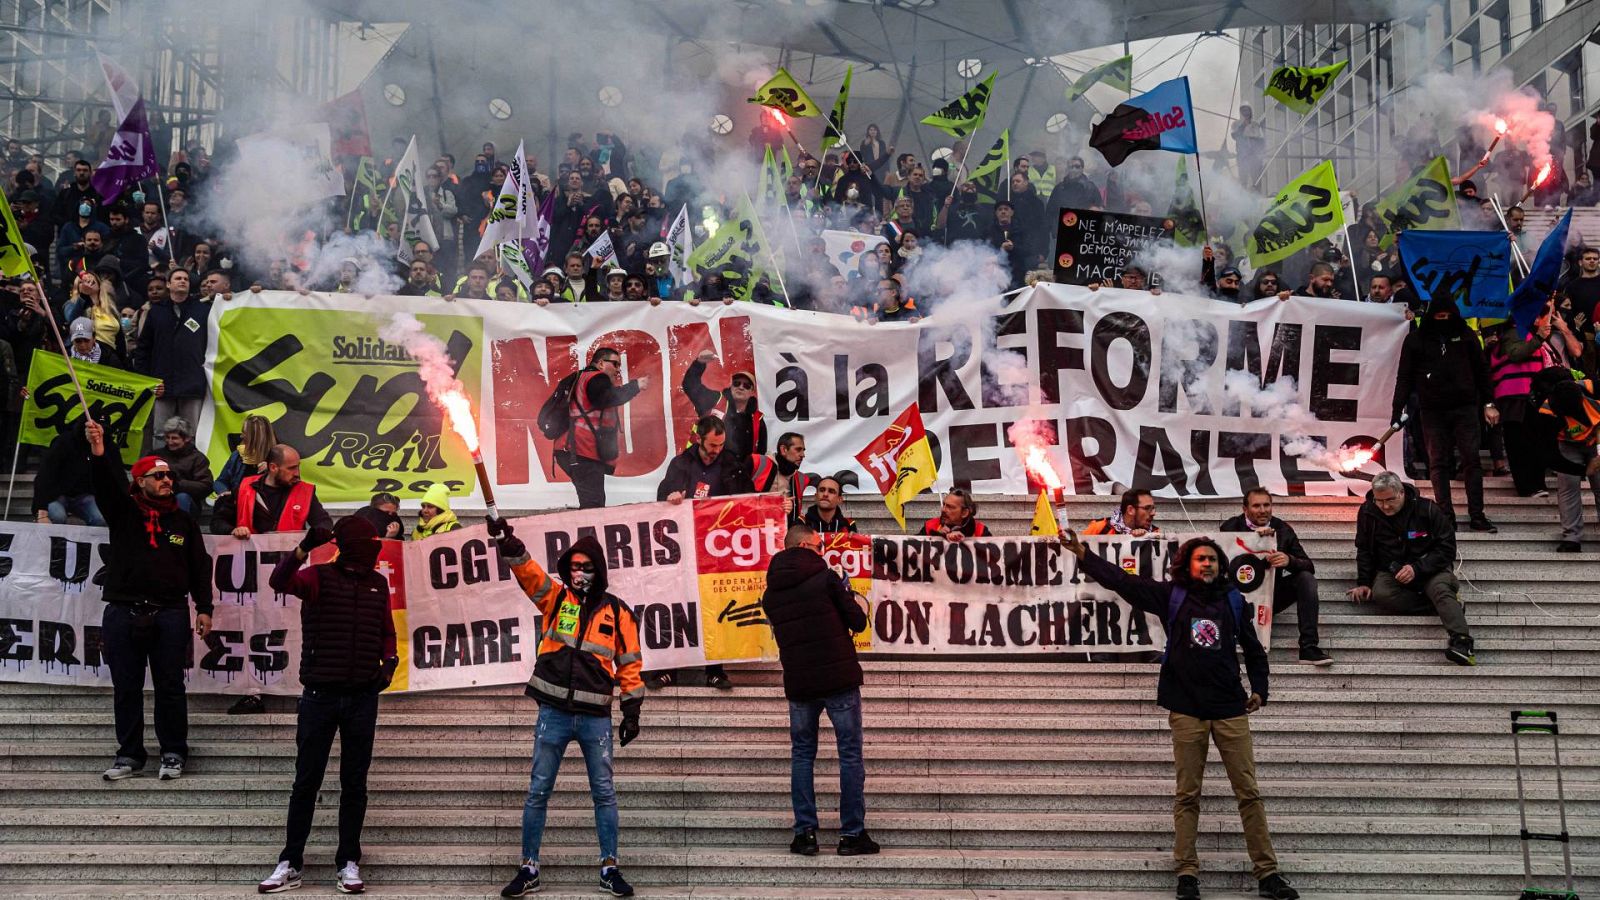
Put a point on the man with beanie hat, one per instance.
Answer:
(156, 561)
(590, 647)
(813, 614)
(435, 516)
(191, 471)
(347, 658)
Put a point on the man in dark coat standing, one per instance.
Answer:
(347, 658)
(813, 613)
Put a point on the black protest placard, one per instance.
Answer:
(1093, 246)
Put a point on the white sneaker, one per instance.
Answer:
(171, 767)
(122, 767)
(350, 879)
(284, 878)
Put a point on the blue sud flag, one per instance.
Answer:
(1527, 301)
(1473, 268)
(1159, 119)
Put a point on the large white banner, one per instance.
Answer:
(1184, 396)
(692, 573)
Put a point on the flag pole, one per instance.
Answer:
(1200, 194)
(771, 257)
(1516, 251)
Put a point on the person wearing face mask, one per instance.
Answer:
(962, 218)
(1206, 624)
(71, 245)
(72, 196)
(589, 649)
(348, 655)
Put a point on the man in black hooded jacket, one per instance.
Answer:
(813, 613)
(1205, 619)
(347, 658)
(1442, 361)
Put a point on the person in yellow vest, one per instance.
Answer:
(435, 516)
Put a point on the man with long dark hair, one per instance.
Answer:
(1205, 618)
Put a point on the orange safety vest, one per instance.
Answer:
(296, 510)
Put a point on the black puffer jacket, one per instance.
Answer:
(1443, 362)
(1420, 535)
(346, 628)
(813, 615)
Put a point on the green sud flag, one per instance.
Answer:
(14, 259)
(121, 401)
(365, 196)
(991, 172)
(784, 94)
(834, 135)
(964, 115)
(1118, 73)
(737, 252)
(768, 186)
(1300, 87)
(1426, 201)
(1304, 212)
(1188, 226)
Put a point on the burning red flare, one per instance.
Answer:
(1354, 458)
(1544, 172)
(777, 116)
(1500, 126)
(458, 410)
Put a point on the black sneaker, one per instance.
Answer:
(1188, 887)
(248, 705)
(526, 882)
(1460, 652)
(857, 845)
(612, 882)
(1482, 523)
(1313, 656)
(1277, 887)
(1569, 547)
(171, 767)
(804, 843)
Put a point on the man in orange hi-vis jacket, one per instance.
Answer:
(590, 645)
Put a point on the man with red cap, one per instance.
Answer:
(156, 561)
(347, 658)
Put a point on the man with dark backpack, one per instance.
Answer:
(1199, 687)
(581, 417)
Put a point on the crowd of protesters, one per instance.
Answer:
(131, 282)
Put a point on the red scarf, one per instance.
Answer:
(152, 507)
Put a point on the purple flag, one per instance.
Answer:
(130, 158)
(537, 247)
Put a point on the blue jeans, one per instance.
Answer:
(844, 711)
(82, 506)
(557, 728)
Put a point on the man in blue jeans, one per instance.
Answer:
(589, 648)
(813, 613)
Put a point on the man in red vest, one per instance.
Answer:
(278, 500)
(957, 519)
(780, 473)
(588, 451)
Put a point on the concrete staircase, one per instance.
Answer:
(1389, 773)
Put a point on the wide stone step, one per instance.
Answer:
(755, 829)
(894, 868)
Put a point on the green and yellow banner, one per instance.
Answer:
(834, 136)
(1426, 201)
(353, 404)
(1300, 87)
(1304, 212)
(964, 115)
(737, 252)
(119, 400)
(1188, 225)
(783, 93)
(992, 173)
(1117, 73)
